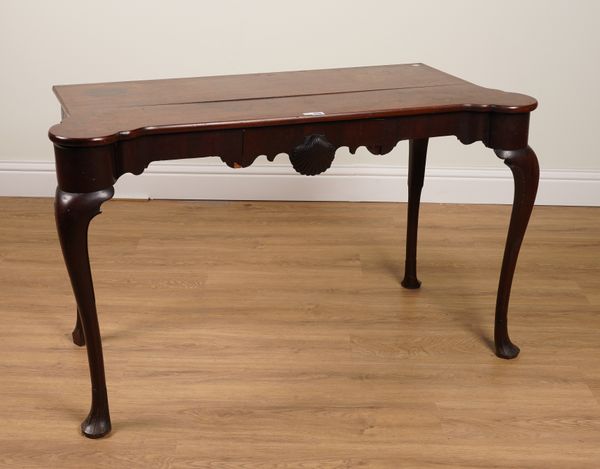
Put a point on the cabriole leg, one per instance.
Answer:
(524, 166)
(416, 172)
(74, 212)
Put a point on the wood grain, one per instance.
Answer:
(244, 335)
(105, 112)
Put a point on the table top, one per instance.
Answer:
(103, 113)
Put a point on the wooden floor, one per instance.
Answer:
(242, 335)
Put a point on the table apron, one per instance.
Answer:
(91, 168)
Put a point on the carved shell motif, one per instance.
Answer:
(313, 156)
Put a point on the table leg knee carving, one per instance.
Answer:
(524, 165)
(73, 212)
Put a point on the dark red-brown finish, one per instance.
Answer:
(417, 156)
(73, 215)
(526, 172)
(109, 129)
(77, 334)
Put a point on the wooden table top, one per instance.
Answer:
(106, 112)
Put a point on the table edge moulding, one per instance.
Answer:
(109, 129)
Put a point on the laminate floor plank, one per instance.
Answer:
(276, 335)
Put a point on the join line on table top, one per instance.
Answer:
(293, 95)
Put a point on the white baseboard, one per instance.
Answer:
(168, 180)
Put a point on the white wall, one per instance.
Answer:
(549, 49)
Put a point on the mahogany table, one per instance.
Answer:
(110, 129)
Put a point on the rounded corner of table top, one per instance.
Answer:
(61, 134)
(516, 103)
